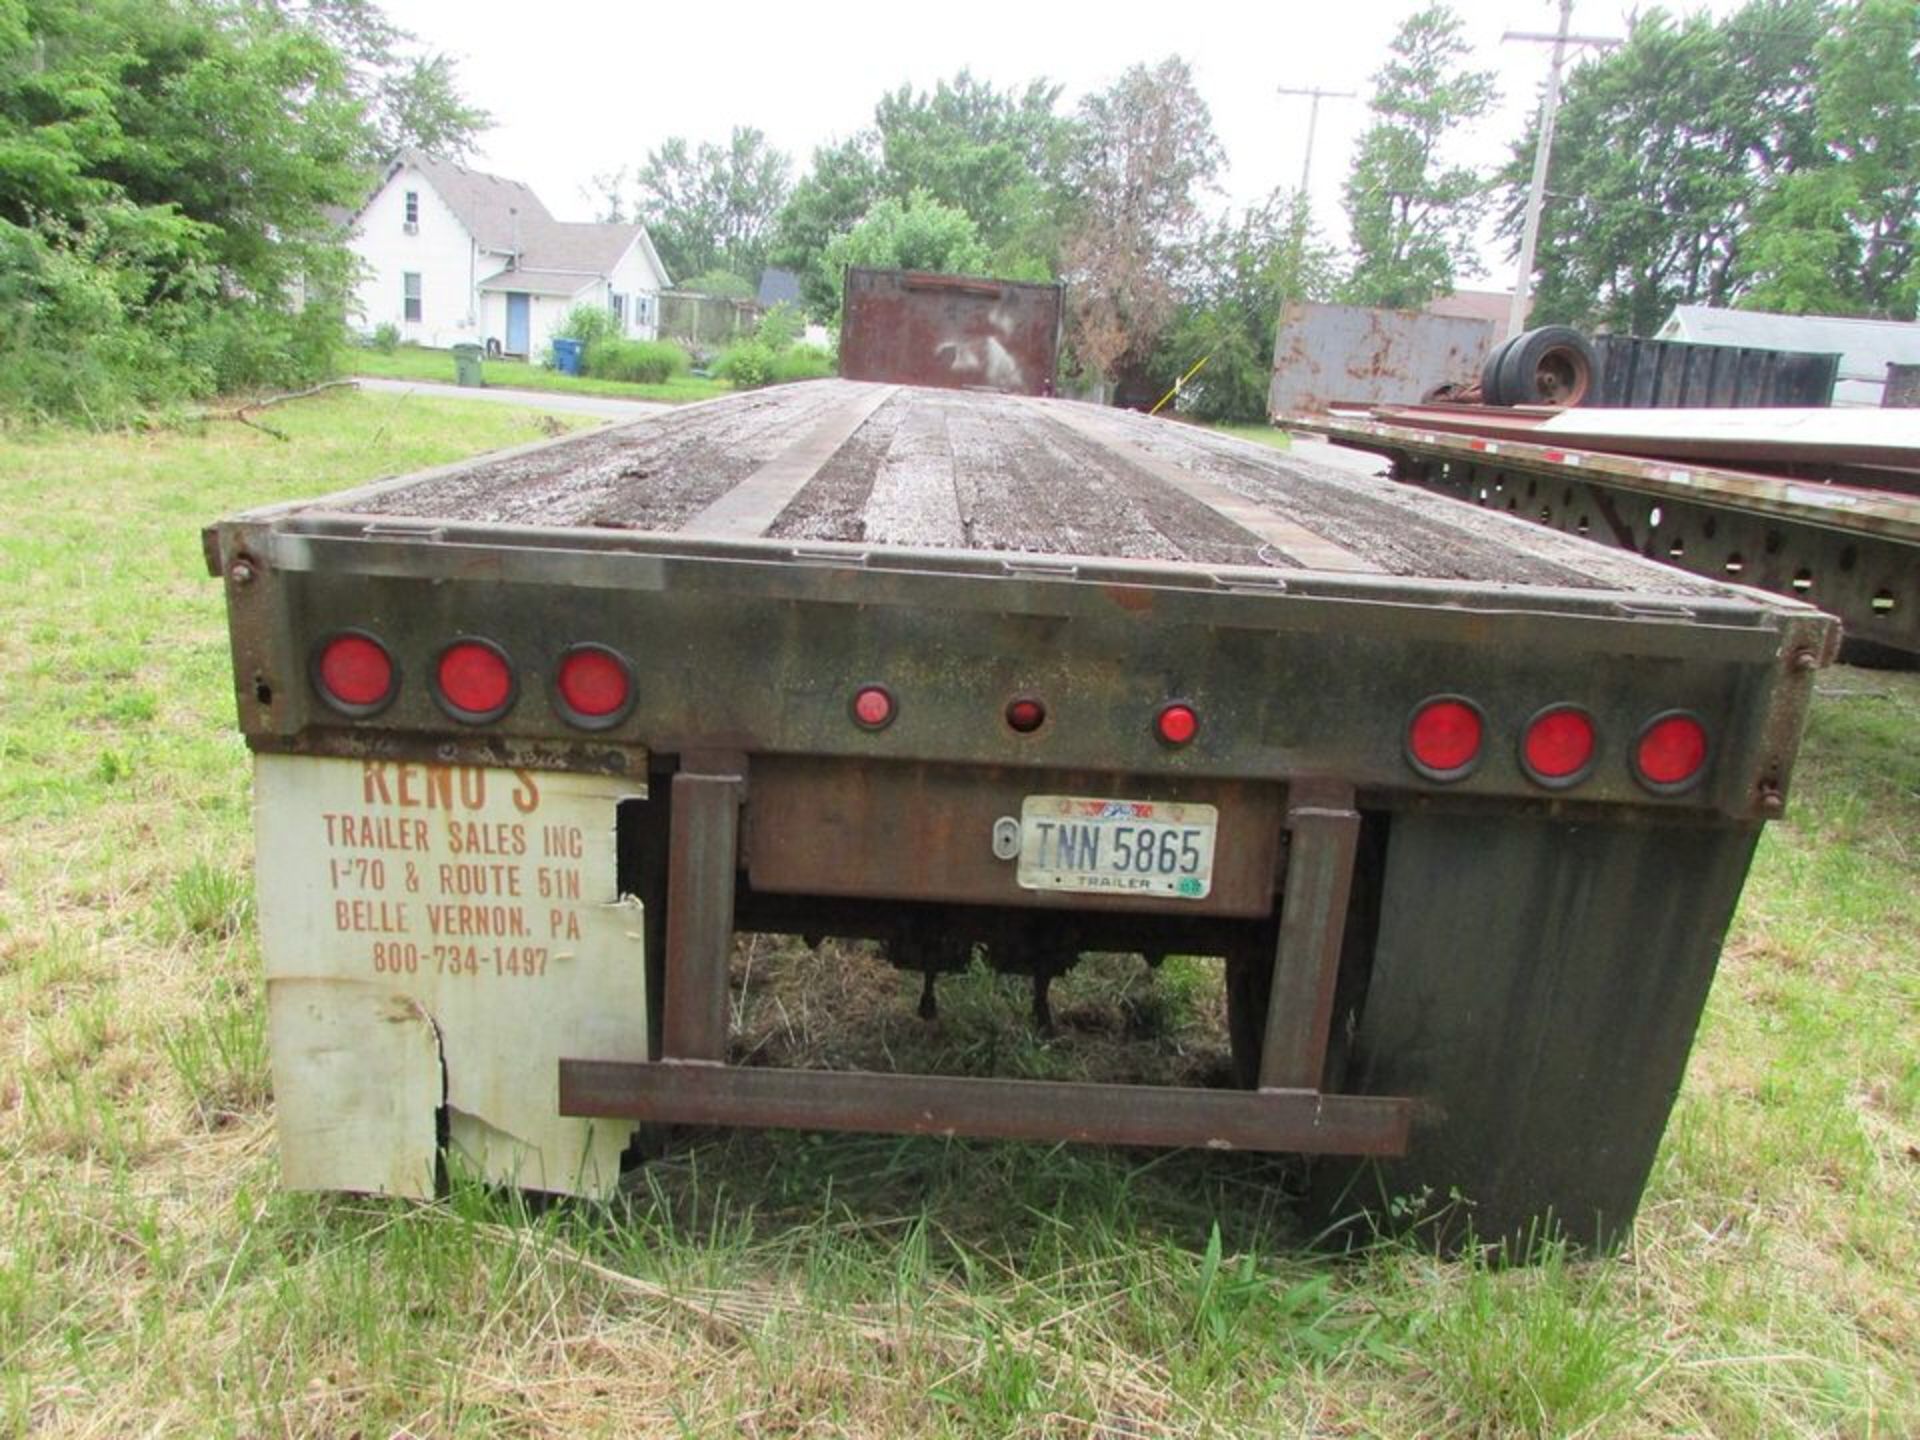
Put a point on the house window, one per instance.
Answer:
(642, 310)
(413, 211)
(410, 293)
(617, 303)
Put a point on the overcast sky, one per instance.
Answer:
(582, 89)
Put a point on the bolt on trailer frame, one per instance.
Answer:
(1451, 950)
(1852, 550)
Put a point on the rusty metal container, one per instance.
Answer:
(955, 331)
(1326, 355)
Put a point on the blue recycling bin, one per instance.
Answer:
(566, 356)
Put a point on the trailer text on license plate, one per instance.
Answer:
(1136, 847)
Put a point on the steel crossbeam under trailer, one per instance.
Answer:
(1462, 804)
(1853, 548)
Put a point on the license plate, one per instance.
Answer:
(1117, 847)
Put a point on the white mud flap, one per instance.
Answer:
(441, 936)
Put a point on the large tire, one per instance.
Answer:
(1554, 365)
(1491, 391)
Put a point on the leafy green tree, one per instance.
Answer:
(1147, 154)
(1663, 151)
(411, 97)
(706, 207)
(1247, 272)
(832, 198)
(1412, 215)
(164, 171)
(1838, 236)
(998, 156)
(918, 233)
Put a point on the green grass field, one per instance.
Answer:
(414, 362)
(1259, 434)
(155, 1281)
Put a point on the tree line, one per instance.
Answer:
(1768, 158)
(172, 175)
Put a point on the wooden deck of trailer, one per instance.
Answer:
(906, 467)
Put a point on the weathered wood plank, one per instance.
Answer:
(1305, 546)
(751, 507)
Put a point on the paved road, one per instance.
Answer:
(605, 406)
(1337, 457)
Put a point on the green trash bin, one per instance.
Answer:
(466, 365)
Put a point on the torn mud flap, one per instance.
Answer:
(436, 937)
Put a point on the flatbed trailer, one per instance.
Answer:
(1853, 547)
(1463, 804)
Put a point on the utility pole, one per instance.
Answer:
(1313, 120)
(1537, 192)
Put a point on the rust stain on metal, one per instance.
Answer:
(922, 832)
(957, 332)
(1134, 599)
(1328, 353)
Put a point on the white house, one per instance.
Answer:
(450, 254)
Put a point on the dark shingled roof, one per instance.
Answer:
(564, 245)
(500, 213)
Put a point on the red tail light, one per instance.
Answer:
(1557, 749)
(1671, 753)
(595, 686)
(354, 673)
(1025, 715)
(474, 681)
(1444, 737)
(1176, 724)
(872, 707)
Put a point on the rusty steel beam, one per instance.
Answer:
(1324, 830)
(701, 864)
(1279, 1120)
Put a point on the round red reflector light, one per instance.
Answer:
(474, 681)
(355, 673)
(1558, 746)
(595, 685)
(1671, 752)
(1026, 716)
(1443, 738)
(872, 707)
(1176, 723)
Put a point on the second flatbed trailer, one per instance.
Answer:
(1851, 548)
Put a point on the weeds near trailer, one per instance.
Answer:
(212, 902)
(220, 1056)
(1544, 1349)
(155, 1279)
